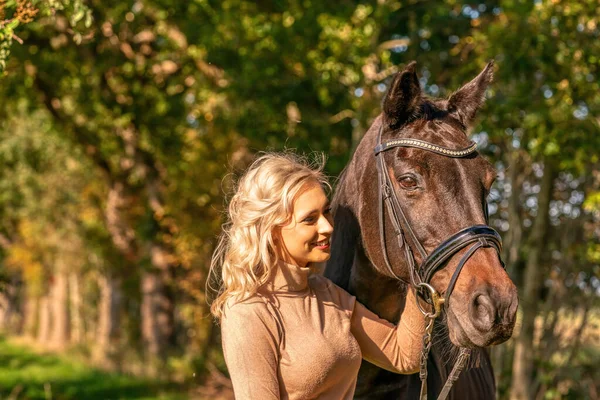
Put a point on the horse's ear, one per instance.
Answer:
(403, 98)
(465, 102)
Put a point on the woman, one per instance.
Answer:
(287, 333)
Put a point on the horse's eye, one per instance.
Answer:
(407, 182)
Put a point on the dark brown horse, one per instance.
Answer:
(439, 196)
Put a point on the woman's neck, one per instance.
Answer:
(289, 278)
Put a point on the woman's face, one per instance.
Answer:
(305, 239)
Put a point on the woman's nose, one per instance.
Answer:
(325, 225)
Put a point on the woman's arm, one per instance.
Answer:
(396, 348)
(250, 347)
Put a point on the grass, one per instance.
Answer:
(29, 375)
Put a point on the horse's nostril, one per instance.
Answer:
(483, 312)
(489, 312)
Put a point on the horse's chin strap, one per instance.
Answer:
(479, 236)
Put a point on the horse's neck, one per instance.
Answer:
(380, 294)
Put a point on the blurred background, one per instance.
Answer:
(122, 124)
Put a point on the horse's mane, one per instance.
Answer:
(346, 237)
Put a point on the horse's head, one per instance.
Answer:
(440, 196)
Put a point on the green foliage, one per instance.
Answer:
(34, 376)
(16, 13)
(548, 77)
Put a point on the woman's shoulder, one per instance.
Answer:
(247, 322)
(245, 309)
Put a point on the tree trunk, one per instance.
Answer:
(514, 237)
(157, 305)
(157, 297)
(60, 309)
(43, 335)
(30, 315)
(76, 303)
(108, 332)
(4, 310)
(122, 235)
(522, 364)
(10, 318)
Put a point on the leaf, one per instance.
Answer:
(77, 16)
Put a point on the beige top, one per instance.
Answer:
(308, 343)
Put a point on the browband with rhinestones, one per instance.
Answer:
(420, 144)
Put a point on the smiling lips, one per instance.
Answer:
(322, 245)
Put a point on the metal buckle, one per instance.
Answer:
(433, 299)
(386, 191)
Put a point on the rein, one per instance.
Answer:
(476, 236)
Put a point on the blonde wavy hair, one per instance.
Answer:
(264, 199)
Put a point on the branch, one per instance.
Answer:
(341, 116)
(390, 44)
(18, 39)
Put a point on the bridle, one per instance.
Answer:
(476, 236)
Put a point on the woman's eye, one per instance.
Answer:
(408, 182)
(314, 218)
